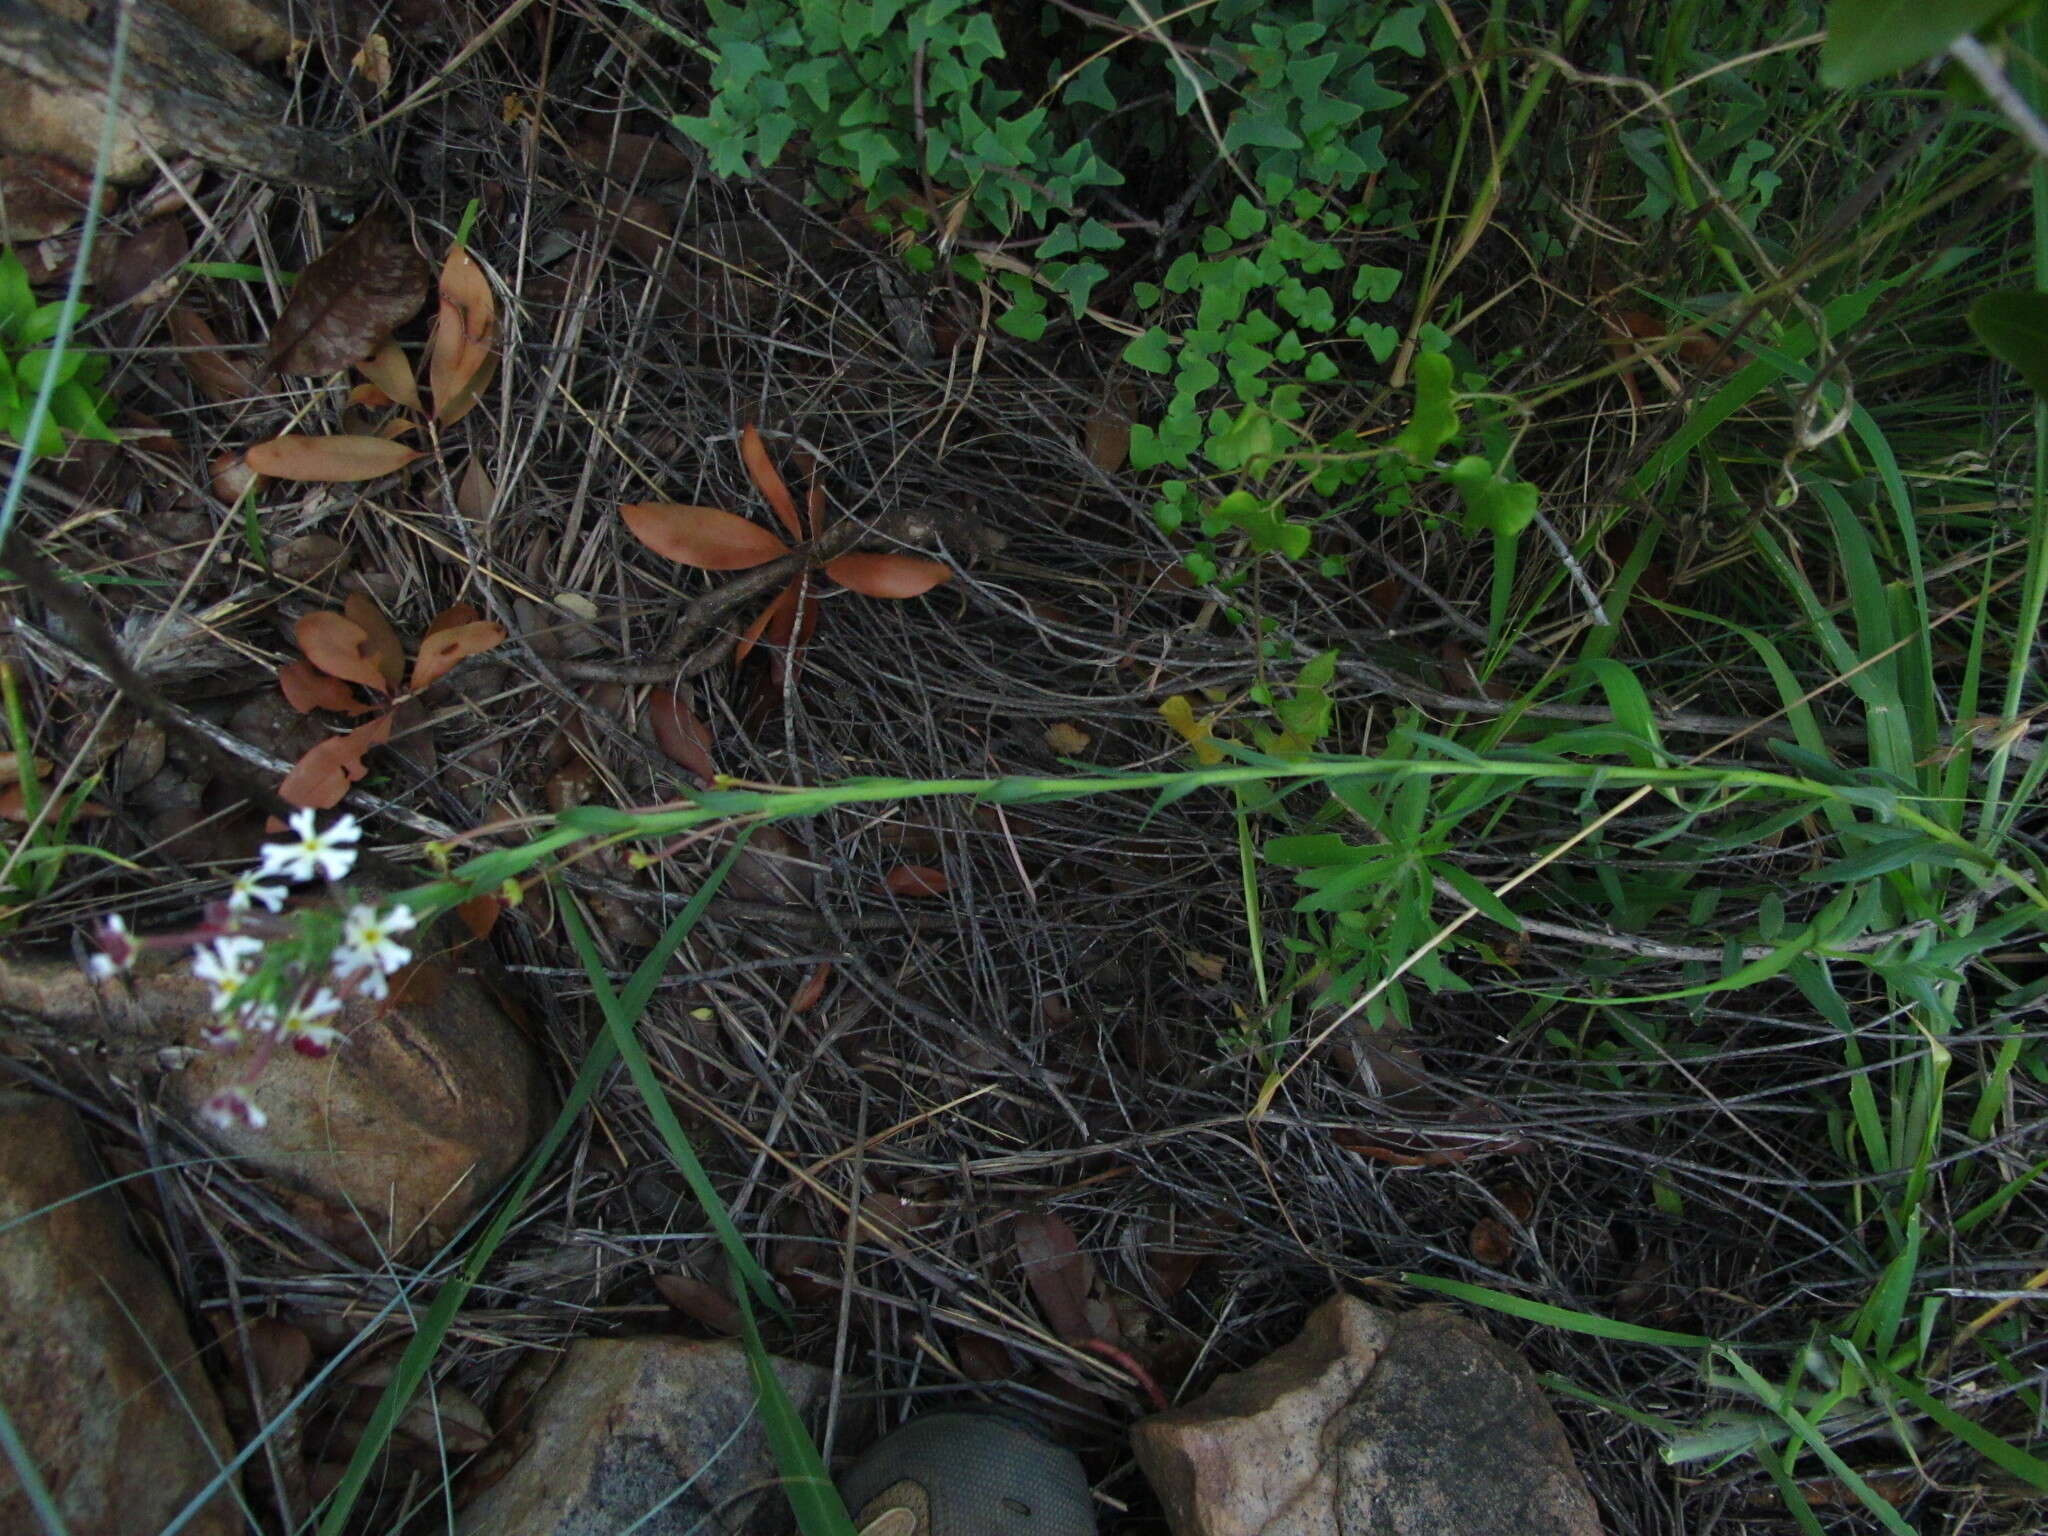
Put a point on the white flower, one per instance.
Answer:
(302, 1026)
(329, 855)
(232, 1107)
(249, 890)
(367, 945)
(223, 965)
(117, 949)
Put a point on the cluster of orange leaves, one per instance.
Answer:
(711, 539)
(461, 359)
(358, 649)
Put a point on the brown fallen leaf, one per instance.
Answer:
(684, 738)
(812, 992)
(356, 293)
(386, 651)
(916, 880)
(440, 651)
(321, 778)
(329, 460)
(387, 369)
(1491, 1242)
(480, 915)
(221, 378)
(1059, 1274)
(460, 355)
(144, 268)
(340, 647)
(701, 1303)
(474, 492)
(306, 689)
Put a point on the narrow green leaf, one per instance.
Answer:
(1871, 38)
(1555, 1317)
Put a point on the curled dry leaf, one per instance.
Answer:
(680, 734)
(356, 293)
(887, 575)
(221, 378)
(703, 537)
(1066, 738)
(465, 332)
(41, 196)
(761, 470)
(388, 370)
(702, 1303)
(1491, 1241)
(386, 650)
(322, 777)
(1059, 1274)
(812, 992)
(338, 646)
(306, 689)
(474, 492)
(916, 880)
(330, 460)
(442, 650)
(480, 915)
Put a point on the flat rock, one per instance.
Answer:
(624, 1423)
(97, 1366)
(397, 1137)
(1371, 1424)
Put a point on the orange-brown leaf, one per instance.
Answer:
(812, 992)
(356, 293)
(679, 733)
(338, 646)
(442, 650)
(386, 650)
(465, 331)
(390, 372)
(307, 689)
(754, 453)
(451, 616)
(329, 459)
(887, 575)
(480, 915)
(462, 399)
(776, 613)
(324, 774)
(703, 537)
(916, 880)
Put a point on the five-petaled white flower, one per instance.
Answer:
(330, 854)
(302, 1026)
(232, 1107)
(249, 890)
(223, 965)
(367, 945)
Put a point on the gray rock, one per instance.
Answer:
(96, 1365)
(1370, 1424)
(624, 1424)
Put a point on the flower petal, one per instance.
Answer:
(887, 575)
(703, 537)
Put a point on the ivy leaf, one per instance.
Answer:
(1436, 414)
(1504, 507)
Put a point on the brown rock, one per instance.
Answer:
(1371, 1424)
(399, 1135)
(96, 1365)
(413, 1123)
(624, 1423)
